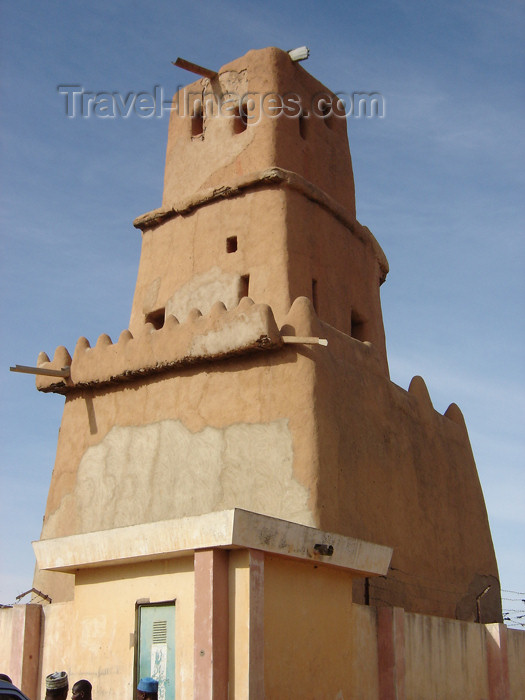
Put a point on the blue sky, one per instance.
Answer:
(439, 181)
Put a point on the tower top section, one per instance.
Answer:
(259, 202)
(261, 111)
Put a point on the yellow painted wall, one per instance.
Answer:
(8, 620)
(92, 636)
(6, 626)
(365, 680)
(312, 648)
(516, 652)
(445, 659)
(318, 645)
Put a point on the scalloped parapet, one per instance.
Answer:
(61, 360)
(218, 335)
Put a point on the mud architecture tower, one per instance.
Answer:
(204, 405)
(201, 406)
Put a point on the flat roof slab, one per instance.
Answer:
(229, 529)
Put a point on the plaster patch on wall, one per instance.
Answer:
(235, 82)
(241, 331)
(150, 295)
(203, 290)
(163, 470)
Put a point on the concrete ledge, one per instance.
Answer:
(230, 529)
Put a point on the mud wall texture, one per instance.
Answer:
(313, 434)
(171, 420)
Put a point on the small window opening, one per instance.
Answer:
(197, 121)
(358, 327)
(314, 296)
(245, 285)
(231, 244)
(303, 125)
(156, 318)
(240, 119)
(326, 112)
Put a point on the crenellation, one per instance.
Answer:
(103, 341)
(219, 334)
(42, 358)
(61, 357)
(82, 344)
(61, 360)
(455, 414)
(419, 390)
(218, 309)
(124, 337)
(193, 315)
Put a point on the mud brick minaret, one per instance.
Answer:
(207, 404)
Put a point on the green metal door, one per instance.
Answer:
(156, 646)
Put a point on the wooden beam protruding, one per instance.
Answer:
(194, 68)
(307, 340)
(64, 372)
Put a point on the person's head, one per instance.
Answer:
(147, 689)
(57, 685)
(81, 690)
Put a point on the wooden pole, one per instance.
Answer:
(194, 68)
(307, 340)
(64, 372)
